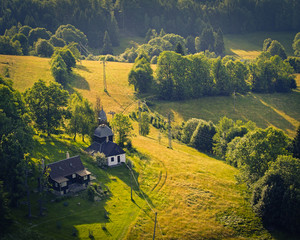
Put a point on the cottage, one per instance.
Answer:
(67, 175)
(103, 143)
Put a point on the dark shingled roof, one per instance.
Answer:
(103, 131)
(108, 148)
(63, 168)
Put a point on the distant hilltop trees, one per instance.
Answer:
(185, 18)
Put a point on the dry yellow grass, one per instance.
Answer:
(87, 79)
(189, 191)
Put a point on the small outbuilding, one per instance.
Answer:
(68, 175)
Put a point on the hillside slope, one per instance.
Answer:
(195, 196)
(279, 110)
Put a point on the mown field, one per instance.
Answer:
(195, 195)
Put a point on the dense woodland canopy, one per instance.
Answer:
(184, 17)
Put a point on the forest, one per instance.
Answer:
(183, 17)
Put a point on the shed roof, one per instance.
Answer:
(103, 131)
(66, 167)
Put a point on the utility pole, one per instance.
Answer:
(41, 183)
(112, 113)
(154, 225)
(170, 133)
(130, 172)
(104, 75)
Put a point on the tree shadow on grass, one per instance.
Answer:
(130, 178)
(83, 68)
(77, 81)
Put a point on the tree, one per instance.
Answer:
(57, 42)
(226, 131)
(16, 139)
(257, 150)
(221, 78)
(238, 74)
(25, 30)
(122, 127)
(43, 48)
(207, 40)
(37, 33)
(179, 49)
(202, 138)
(141, 74)
(114, 31)
(59, 69)
(86, 118)
(46, 104)
(296, 44)
(188, 129)
(5, 216)
(266, 44)
(219, 46)
(296, 144)
(275, 196)
(276, 48)
(23, 41)
(190, 44)
(71, 34)
(107, 46)
(145, 124)
(67, 57)
(9, 47)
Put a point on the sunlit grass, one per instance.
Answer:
(249, 45)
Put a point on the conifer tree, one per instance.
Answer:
(107, 46)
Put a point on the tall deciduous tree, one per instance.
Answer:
(46, 104)
(122, 127)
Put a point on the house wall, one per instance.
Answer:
(115, 161)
